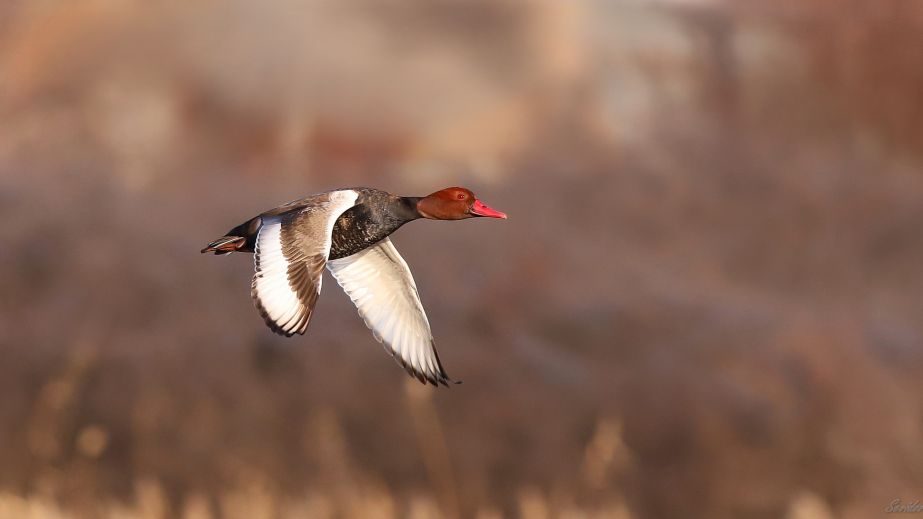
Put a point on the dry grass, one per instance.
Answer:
(705, 304)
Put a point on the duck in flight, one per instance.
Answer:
(346, 231)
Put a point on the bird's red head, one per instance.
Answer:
(455, 203)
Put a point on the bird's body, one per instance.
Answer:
(346, 231)
(367, 222)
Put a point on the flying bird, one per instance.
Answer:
(346, 231)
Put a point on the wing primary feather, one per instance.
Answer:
(381, 286)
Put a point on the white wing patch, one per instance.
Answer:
(270, 285)
(288, 277)
(379, 283)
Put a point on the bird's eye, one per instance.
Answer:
(461, 196)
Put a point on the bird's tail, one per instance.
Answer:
(225, 245)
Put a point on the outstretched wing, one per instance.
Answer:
(290, 253)
(379, 283)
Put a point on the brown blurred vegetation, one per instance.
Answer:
(706, 302)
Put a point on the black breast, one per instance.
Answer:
(377, 215)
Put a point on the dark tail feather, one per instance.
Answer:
(225, 245)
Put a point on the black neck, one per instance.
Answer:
(406, 208)
(371, 221)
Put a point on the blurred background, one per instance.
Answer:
(706, 302)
